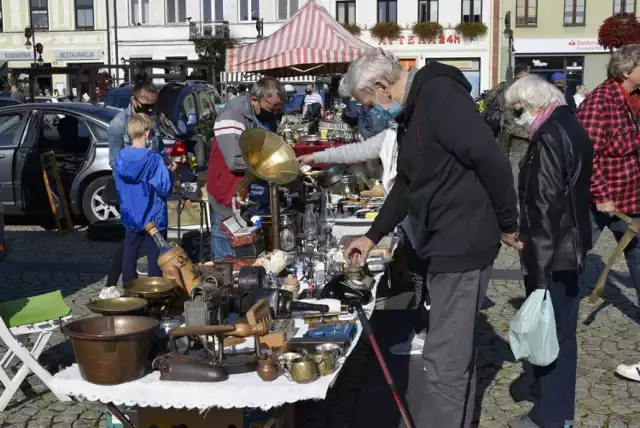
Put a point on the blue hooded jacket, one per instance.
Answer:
(144, 183)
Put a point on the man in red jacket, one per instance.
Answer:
(258, 109)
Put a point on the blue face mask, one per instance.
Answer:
(396, 110)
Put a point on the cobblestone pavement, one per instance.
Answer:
(40, 261)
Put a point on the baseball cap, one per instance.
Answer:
(557, 76)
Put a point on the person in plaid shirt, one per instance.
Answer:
(609, 114)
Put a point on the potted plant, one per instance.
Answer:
(427, 31)
(619, 30)
(386, 31)
(352, 28)
(471, 30)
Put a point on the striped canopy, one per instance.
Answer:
(311, 42)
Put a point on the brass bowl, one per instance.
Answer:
(150, 288)
(117, 306)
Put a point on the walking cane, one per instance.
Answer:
(356, 307)
(633, 229)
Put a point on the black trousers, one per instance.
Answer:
(132, 243)
(418, 273)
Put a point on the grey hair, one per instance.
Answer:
(266, 87)
(533, 92)
(343, 89)
(372, 66)
(623, 61)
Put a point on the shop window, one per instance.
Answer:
(139, 12)
(39, 15)
(176, 11)
(84, 14)
(526, 13)
(346, 12)
(286, 9)
(574, 12)
(387, 11)
(1, 19)
(471, 10)
(624, 6)
(428, 10)
(213, 9)
(249, 10)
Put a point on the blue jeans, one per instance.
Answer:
(632, 253)
(220, 245)
(555, 385)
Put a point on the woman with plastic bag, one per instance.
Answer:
(555, 233)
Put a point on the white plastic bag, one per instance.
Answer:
(532, 332)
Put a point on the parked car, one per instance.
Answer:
(8, 101)
(51, 99)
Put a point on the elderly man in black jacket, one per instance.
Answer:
(457, 188)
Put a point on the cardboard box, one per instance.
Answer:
(239, 235)
(215, 418)
(190, 215)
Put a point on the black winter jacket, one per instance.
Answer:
(453, 180)
(554, 198)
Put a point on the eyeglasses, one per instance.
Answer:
(144, 106)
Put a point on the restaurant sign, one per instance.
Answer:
(78, 55)
(16, 55)
(452, 39)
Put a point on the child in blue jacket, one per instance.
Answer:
(144, 184)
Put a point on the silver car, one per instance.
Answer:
(77, 133)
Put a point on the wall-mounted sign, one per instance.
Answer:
(78, 55)
(538, 63)
(452, 39)
(539, 46)
(460, 65)
(14, 55)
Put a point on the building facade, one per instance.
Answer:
(70, 32)
(561, 35)
(160, 29)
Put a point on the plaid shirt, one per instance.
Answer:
(606, 117)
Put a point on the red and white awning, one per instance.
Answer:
(311, 42)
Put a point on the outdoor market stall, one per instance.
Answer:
(270, 327)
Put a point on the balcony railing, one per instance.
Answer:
(208, 30)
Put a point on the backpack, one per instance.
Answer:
(493, 110)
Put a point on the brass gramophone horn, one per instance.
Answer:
(270, 158)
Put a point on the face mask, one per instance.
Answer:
(396, 110)
(308, 92)
(525, 120)
(266, 116)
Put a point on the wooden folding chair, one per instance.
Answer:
(28, 357)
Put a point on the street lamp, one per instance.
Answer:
(508, 33)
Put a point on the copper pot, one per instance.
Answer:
(267, 369)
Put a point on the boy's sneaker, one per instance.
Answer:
(631, 372)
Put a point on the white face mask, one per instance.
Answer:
(525, 120)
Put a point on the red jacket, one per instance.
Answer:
(221, 182)
(614, 131)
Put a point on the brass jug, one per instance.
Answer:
(326, 362)
(303, 370)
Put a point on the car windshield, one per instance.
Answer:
(105, 114)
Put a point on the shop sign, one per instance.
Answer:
(78, 55)
(23, 55)
(452, 39)
(524, 46)
(460, 65)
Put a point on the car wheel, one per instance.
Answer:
(93, 206)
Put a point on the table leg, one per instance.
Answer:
(125, 421)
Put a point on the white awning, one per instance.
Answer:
(231, 78)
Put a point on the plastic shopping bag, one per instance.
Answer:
(532, 332)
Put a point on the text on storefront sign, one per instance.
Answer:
(453, 39)
(16, 55)
(79, 55)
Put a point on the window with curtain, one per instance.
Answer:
(346, 12)
(249, 10)
(624, 6)
(39, 14)
(574, 12)
(286, 9)
(84, 15)
(176, 11)
(139, 12)
(471, 10)
(526, 13)
(428, 10)
(387, 11)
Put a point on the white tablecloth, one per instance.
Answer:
(243, 390)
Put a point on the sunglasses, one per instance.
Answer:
(144, 106)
